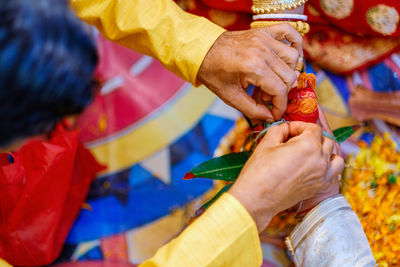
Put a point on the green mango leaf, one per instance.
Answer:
(220, 192)
(205, 206)
(343, 133)
(226, 168)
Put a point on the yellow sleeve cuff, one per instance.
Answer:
(225, 235)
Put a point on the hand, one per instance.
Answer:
(334, 188)
(282, 171)
(253, 57)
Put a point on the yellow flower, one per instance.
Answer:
(373, 190)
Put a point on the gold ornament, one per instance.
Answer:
(273, 6)
(301, 26)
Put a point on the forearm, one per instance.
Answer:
(156, 28)
(225, 235)
(330, 235)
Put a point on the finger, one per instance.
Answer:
(266, 98)
(279, 107)
(327, 146)
(257, 96)
(276, 135)
(287, 54)
(271, 84)
(248, 106)
(286, 32)
(337, 150)
(282, 69)
(297, 128)
(323, 120)
(335, 169)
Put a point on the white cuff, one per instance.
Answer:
(330, 235)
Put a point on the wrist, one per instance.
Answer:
(260, 214)
(318, 198)
(207, 65)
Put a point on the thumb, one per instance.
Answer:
(275, 136)
(297, 128)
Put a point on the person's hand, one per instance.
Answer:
(256, 57)
(293, 162)
(334, 187)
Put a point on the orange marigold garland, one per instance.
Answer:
(372, 187)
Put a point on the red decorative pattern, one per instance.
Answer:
(302, 100)
(345, 36)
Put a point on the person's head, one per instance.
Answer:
(47, 60)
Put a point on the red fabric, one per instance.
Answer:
(302, 100)
(129, 102)
(41, 194)
(232, 15)
(298, 108)
(351, 37)
(341, 39)
(356, 21)
(229, 5)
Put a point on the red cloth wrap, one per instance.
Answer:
(302, 105)
(302, 100)
(41, 194)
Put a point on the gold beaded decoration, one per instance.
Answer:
(301, 26)
(273, 6)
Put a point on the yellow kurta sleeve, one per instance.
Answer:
(158, 28)
(4, 264)
(225, 235)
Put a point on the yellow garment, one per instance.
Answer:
(4, 264)
(159, 28)
(225, 235)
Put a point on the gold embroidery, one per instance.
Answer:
(312, 10)
(338, 9)
(346, 55)
(301, 26)
(383, 19)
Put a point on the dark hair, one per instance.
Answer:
(47, 60)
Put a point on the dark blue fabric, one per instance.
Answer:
(135, 197)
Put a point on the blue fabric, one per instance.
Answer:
(391, 81)
(10, 158)
(340, 85)
(367, 137)
(135, 196)
(93, 254)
